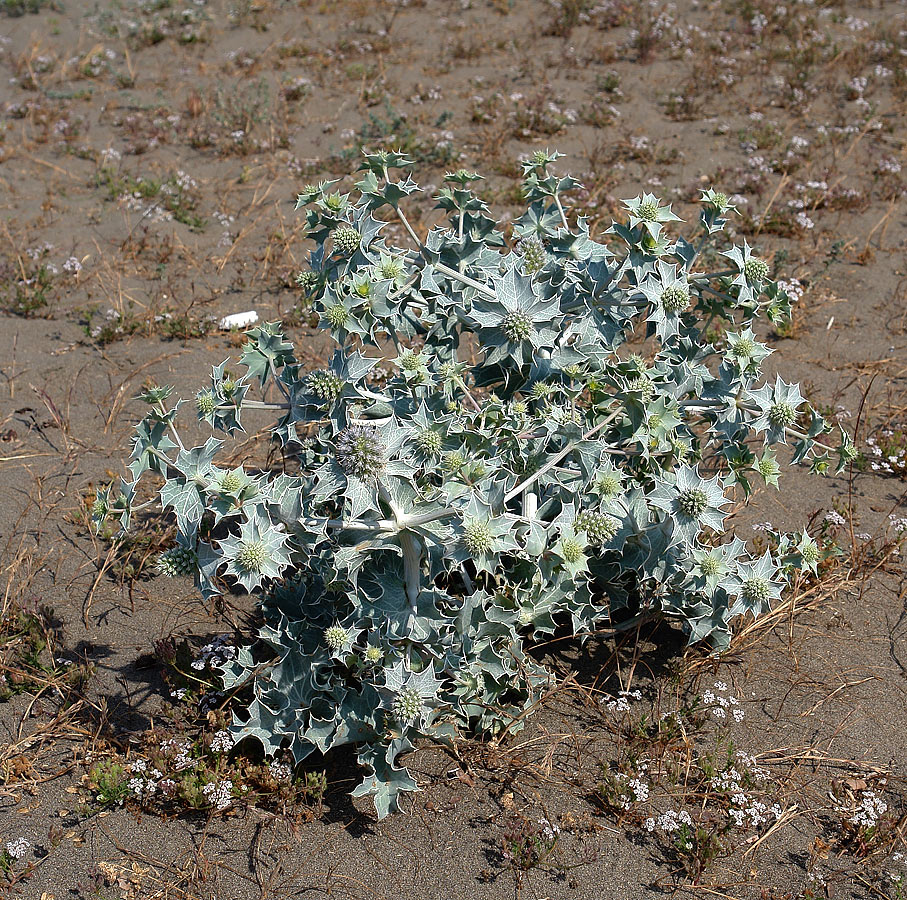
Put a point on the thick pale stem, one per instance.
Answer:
(558, 457)
(412, 565)
(530, 505)
(560, 209)
(446, 270)
(410, 545)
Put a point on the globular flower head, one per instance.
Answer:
(308, 193)
(810, 552)
(336, 638)
(232, 482)
(517, 320)
(407, 707)
(324, 384)
(477, 537)
(540, 159)
(744, 351)
(100, 508)
(767, 466)
(608, 483)
(674, 298)
(642, 385)
(454, 461)
(782, 414)
(717, 199)
(572, 549)
(691, 502)
(451, 371)
(257, 552)
(336, 202)
(428, 440)
(778, 407)
(755, 270)
(306, 281)
(337, 315)
(517, 326)
(391, 268)
(411, 361)
(252, 556)
(756, 590)
(360, 452)
(758, 585)
(177, 561)
(346, 241)
(669, 295)
(646, 210)
(752, 270)
(533, 252)
(206, 403)
(599, 527)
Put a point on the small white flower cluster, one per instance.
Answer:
(216, 653)
(888, 165)
(633, 790)
(72, 266)
(167, 787)
(18, 848)
(721, 702)
(226, 238)
(144, 783)
(550, 830)
(869, 810)
(833, 517)
(763, 526)
(185, 182)
(620, 703)
(669, 821)
(153, 212)
(431, 94)
(222, 742)
(39, 251)
(753, 770)
(748, 812)
(794, 289)
(443, 139)
(280, 771)
(219, 793)
(141, 787)
(899, 524)
(180, 750)
(881, 462)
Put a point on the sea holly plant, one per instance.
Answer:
(511, 467)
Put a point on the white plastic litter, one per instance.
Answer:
(239, 320)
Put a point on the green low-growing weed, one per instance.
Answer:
(177, 195)
(394, 128)
(30, 660)
(28, 293)
(514, 469)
